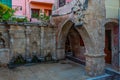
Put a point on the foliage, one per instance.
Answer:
(43, 17)
(35, 15)
(35, 59)
(48, 57)
(17, 19)
(19, 60)
(5, 12)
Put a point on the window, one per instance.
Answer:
(61, 3)
(50, 12)
(35, 13)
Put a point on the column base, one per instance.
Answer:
(60, 54)
(95, 65)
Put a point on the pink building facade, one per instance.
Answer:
(32, 8)
(67, 1)
(60, 3)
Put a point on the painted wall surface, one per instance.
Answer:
(112, 8)
(20, 5)
(24, 6)
(7, 2)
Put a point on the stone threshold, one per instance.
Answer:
(102, 77)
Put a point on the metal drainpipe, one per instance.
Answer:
(119, 34)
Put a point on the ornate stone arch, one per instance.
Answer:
(63, 32)
(94, 54)
(111, 20)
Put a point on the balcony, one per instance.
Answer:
(43, 1)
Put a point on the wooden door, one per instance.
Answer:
(107, 49)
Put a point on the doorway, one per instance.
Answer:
(74, 46)
(108, 45)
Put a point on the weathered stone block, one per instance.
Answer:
(95, 65)
(60, 54)
(4, 56)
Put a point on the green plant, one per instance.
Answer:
(43, 17)
(48, 57)
(19, 60)
(5, 12)
(15, 19)
(35, 15)
(35, 59)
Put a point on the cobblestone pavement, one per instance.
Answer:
(54, 71)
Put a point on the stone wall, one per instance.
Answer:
(48, 41)
(4, 56)
(26, 39)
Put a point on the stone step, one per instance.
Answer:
(115, 74)
(102, 77)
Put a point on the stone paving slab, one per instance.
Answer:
(55, 71)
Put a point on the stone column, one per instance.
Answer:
(28, 10)
(11, 32)
(60, 50)
(54, 46)
(95, 64)
(28, 31)
(42, 41)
